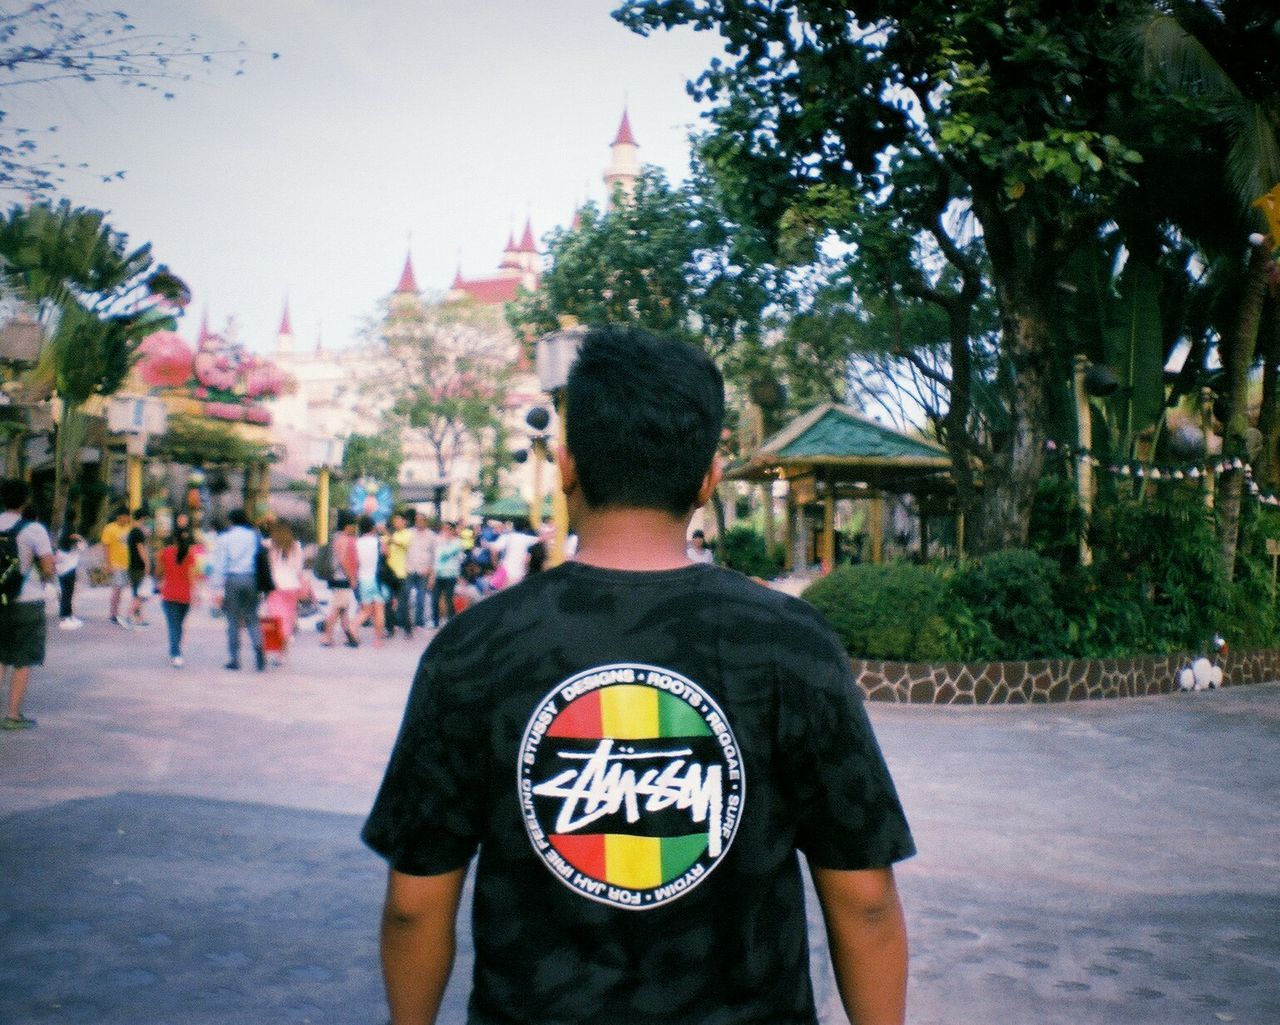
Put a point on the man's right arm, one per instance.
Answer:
(867, 935)
(418, 943)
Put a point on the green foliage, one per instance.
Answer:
(1056, 521)
(1161, 557)
(1012, 599)
(373, 456)
(893, 611)
(1252, 618)
(197, 441)
(744, 549)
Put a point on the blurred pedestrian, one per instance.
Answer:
(343, 573)
(421, 565)
(235, 583)
(285, 556)
(115, 552)
(396, 554)
(449, 556)
(697, 550)
(22, 619)
(66, 562)
(139, 567)
(179, 568)
(369, 592)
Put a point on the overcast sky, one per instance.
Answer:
(436, 125)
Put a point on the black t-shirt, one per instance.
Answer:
(637, 756)
(137, 539)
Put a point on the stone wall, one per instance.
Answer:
(1017, 683)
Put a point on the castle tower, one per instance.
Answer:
(405, 298)
(624, 163)
(284, 337)
(530, 263)
(512, 261)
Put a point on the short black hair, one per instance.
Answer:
(642, 420)
(15, 492)
(238, 518)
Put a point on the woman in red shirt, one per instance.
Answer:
(177, 567)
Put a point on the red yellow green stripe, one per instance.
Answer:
(628, 711)
(634, 862)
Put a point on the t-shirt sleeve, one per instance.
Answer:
(848, 815)
(429, 813)
(37, 539)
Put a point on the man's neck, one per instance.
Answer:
(631, 539)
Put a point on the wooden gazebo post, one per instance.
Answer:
(829, 528)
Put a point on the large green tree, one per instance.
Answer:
(666, 260)
(1221, 56)
(1022, 118)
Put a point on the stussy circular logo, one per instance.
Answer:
(631, 784)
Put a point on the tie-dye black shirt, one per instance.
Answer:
(637, 756)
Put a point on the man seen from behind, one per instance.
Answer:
(638, 747)
(22, 614)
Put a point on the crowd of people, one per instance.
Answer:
(371, 580)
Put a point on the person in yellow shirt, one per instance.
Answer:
(396, 551)
(115, 545)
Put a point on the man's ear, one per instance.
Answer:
(710, 481)
(568, 470)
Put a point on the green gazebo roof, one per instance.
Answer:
(510, 508)
(835, 442)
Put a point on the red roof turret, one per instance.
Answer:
(457, 278)
(625, 138)
(527, 244)
(408, 283)
(285, 327)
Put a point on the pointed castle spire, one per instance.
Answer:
(624, 136)
(624, 163)
(408, 284)
(284, 337)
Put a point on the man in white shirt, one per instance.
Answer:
(513, 550)
(235, 586)
(22, 620)
(421, 564)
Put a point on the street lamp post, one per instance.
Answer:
(325, 455)
(138, 417)
(555, 356)
(537, 420)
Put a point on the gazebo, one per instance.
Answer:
(832, 452)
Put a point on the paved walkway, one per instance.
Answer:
(179, 846)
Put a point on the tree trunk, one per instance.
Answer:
(66, 460)
(1010, 480)
(1237, 361)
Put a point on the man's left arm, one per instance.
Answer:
(867, 936)
(418, 942)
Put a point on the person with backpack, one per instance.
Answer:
(26, 565)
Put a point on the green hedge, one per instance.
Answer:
(891, 612)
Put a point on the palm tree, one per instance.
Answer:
(1221, 53)
(89, 288)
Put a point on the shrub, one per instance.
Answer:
(1011, 598)
(744, 549)
(1160, 556)
(887, 612)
